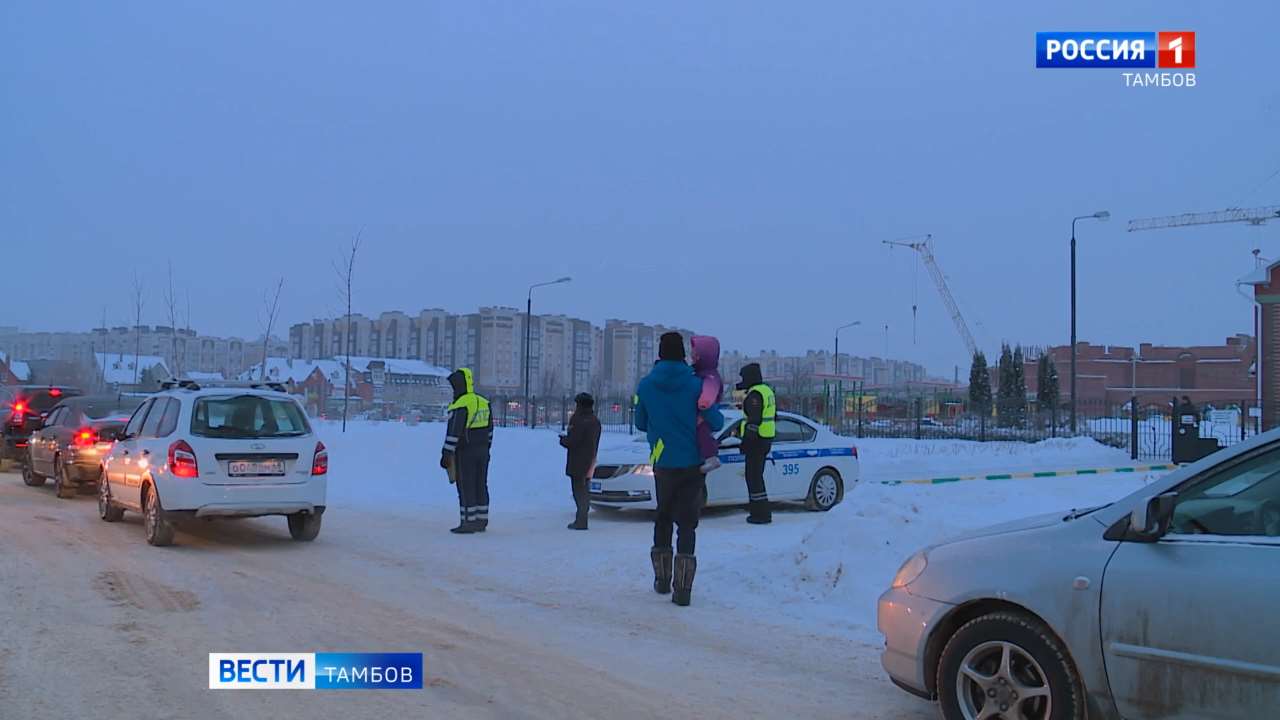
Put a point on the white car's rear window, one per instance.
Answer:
(248, 416)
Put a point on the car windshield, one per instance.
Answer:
(248, 416)
(43, 400)
(99, 408)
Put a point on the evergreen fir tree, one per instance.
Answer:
(1004, 390)
(979, 385)
(1047, 387)
(1018, 400)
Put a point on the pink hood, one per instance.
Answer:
(707, 349)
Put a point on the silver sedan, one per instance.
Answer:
(1161, 605)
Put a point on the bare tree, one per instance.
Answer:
(800, 379)
(271, 306)
(101, 372)
(551, 382)
(139, 300)
(345, 267)
(171, 304)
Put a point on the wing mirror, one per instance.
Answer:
(1148, 523)
(731, 443)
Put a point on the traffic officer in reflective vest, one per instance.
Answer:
(466, 451)
(757, 431)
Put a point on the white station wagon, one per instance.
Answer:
(226, 450)
(808, 463)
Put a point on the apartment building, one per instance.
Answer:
(182, 350)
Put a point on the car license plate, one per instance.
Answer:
(237, 468)
(595, 487)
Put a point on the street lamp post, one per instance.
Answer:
(1100, 215)
(842, 327)
(528, 329)
(836, 409)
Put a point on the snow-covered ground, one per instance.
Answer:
(806, 571)
(527, 620)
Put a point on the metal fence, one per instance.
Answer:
(615, 413)
(1146, 433)
(1145, 430)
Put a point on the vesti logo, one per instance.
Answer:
(1164, 50)
(315, 671)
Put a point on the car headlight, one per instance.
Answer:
(911, 569)
(643, 470)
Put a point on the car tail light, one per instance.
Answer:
(85, 437)
(182, 460)
(320, 463)
(855, 452)
(18, 409)
(55, 392)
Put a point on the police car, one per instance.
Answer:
(808, 463)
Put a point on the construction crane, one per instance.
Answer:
(1253, 216)
(922, 246)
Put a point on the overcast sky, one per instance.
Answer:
(728, 166)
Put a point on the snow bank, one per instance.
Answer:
(901, 459)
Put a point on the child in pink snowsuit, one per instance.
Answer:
(706, 364)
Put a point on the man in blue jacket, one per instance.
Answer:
(667, 411)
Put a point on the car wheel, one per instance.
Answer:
(29, 475)
(1008, 665)
(61, 487)
(159, 532)
(825, 491)
(304, 526)
(106, 509)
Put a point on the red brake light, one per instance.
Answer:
(55, 392)
(85, 437)
(182, 460)
(19, 408)
(320, 463)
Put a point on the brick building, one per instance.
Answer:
(1109, 375)
(1266, 295)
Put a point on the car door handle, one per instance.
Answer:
(124, 452)
(146, 452)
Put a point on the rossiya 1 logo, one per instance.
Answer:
(1171, 54)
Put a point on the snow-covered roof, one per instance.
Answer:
(19, 368)
(1261, 275)
(285, 369)
(119, 367)
(198, 375)
(399, 366)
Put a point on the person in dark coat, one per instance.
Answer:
(667, 412)
(582, 440)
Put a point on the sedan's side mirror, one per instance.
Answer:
(1147, 523)
(731, 443)
(119, 434)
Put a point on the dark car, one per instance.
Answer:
(24, 414)
(76, 435)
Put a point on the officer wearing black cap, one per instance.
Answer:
(582, 440)
(757, 431)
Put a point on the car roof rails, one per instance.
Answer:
(188, 384)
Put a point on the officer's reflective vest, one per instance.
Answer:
(477, 410)
(768, 429)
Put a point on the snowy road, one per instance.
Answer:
(527, 620)
(96, 621)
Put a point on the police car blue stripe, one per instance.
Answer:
(737, 457)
